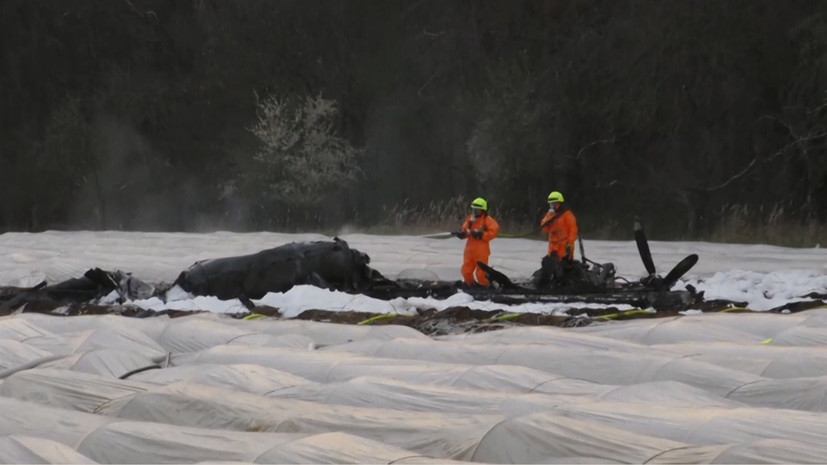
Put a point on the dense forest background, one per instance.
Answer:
(707, 119)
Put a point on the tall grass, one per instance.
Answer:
(442, 216)
(767, 225)
(736, 224)
(446, 215)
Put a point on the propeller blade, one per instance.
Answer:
(643, 248)
(679, 270)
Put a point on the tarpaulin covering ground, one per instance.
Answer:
(212, 387)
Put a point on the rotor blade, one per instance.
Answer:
(679, 270)
(643, 248)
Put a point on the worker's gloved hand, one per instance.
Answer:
(460, 234)
(477, 234)
(569, 253)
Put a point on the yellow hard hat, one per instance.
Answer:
(555, 197)
(480, 203)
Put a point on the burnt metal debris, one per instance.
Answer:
(325, 264)
(334, 265)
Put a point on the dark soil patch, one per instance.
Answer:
(799, 306)
(348, 318)
(453, 320)
(431, 322)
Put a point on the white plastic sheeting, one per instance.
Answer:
(325, 367)
(440, 435)
(745, 328)
(322, 333)
(808, 394)
(547, 336)
(101, 338)
(448, 435)
(671, 330)
(482, 438)
(144, 442)
(405, 396)
(31, 419)
(27, 449)
(701, 389)
(674, 362)
(89, 392)
(14, 353)
(68, 389)
(152, 327)
(531, 437)
(193, 334)
(388, 393)
(802, 336)
(764, 451)
(703, 425)
(603, 366)
(111, 362)
(107, 440)
(767, 360)
(18, 329)
(240, 377)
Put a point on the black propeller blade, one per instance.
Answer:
(679, 270)
(643, 248)
(646, 255)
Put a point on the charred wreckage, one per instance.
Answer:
(334, 265)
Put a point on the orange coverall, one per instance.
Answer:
(562, 232)
(477, 249)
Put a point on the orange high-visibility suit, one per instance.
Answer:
(477, 249)
(561, 227)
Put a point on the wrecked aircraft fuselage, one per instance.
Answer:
(326, 264)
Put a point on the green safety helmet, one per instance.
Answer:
(555, 197)
(480, 203)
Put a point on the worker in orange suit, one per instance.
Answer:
(561, 226)
(478, 229)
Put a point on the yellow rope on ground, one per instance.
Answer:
(254, 316)
(632, 312)
(384, 316)
(735, 310)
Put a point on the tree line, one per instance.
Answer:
(699, 117)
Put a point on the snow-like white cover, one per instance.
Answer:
(238, 377)
(541, 394)
(27, 449)
(111, 440)
(701, 388)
